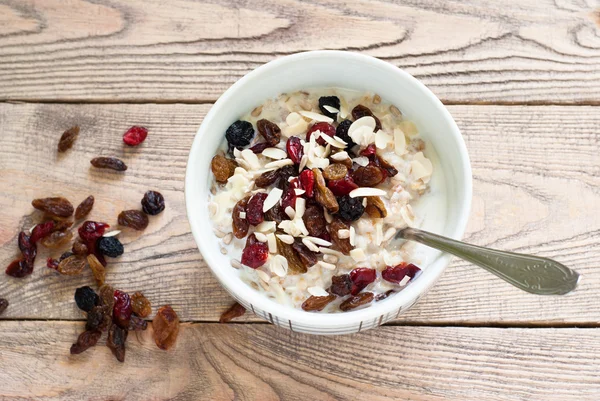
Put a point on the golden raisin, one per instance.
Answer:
(375, 207)
(72, 265)
(57, 239)
(295, 264)
(335, 171)
(166, 327)
(97, 268)
(140, 305)
(222, 168)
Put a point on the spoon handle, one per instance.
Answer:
(530, 273)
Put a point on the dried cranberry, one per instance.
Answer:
(255, 253)
(397, 273)
(325, 128)
(361, 277)
(42, 230)
(27, 247)
(307, 182)
(135, 135)
(254, 209)
(294, 148)
(342, 187)
(19, 268)
(259, 147)
(122, 309)
(369, 150)
(92, 230)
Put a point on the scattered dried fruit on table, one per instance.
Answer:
(342, 133)
(254, 209)
(270, 131)
(67, 139)
(55, 206)
(236, 310)
(332, 102)
(308, 257)
(317, 303)
(140, 305)
(267, 178)
(166, 327)
(19, 268)
(295, 264)
(42, 230)
(97, 268)
(323, 128)
(368, 176)
(342, 244)
(350, 209)
(222, 168)
(323, 195)
(72, 265)
(294, 149)
(134, 219)
(86, 340)
(362, 111)
(3, 305)
(356, 301)
(239, 134)
(116, 341)
(397, 273)
(110, 246)
(137, 324)
(122, 309)
(362, 277)
(84, 208)
(240, 225)
(92, 230)
(111, 163)
(95, 319)
(375, 207)
(335, 171)
(86, 298)
(107, 297)
(57, 239)
(341, 285)
(255, 253)
(79, 248)
(135, 135)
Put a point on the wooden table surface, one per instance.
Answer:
(522, 80)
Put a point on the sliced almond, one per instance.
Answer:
(343, 234)
(266, 226)
(279, 163)
(364, 191)
(235, 263)
(330, 251)
(382, 139)
(340, 156)
(409, 128)
(327, 266)
(399, 142)
(333, 142)
(330, 258)
(272, 242)
(317, 291)
(328, 217)
(366, 121)
(315, 116)
(303, 162)
(274, 153)
(290, 212)
(285, 238)
(300, 208)
(251, 159)
(352, 236)
(330, 109)
(362, 161)
(260, 237)
(228, 238)
(272, 199)
(358, 255)
(319, 241)
(263, 275)
(112, 233)
(299, 191)
(310, 245)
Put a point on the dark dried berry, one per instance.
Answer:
(342, 132)
(3, 305)
(341, 285)
(276, 214)
(86, 340)
(90, 231)
(86, 298)
(314, 220)
(341, 244)
(25, 243)
(314, 303)
(259, 147)
(166, 327)
(362, 277)
(57, 239)
(95, 318)
(57, 206)
(97, 268)
(294, 148)
(289, 197)
(255, 253)
(324, 128)
(67, 139)
(270, 131)
(383, 296)
(140, 305)
(307, 182)
(362, 111)
(110, 246)
(254, 209)
(239, 134)
(240, 225)
(42, 230)
(116, 341)
(153, 203)
(342, 187)
(350, 208)
(285, 173)
(137, 324)
(267, 178)
(109, 162)
(368, 176)
(356, 301)
(19, 268)
(122, 309)
(236, 310)
(331, 101)
(135, 135)
(397, 273)
(308, 257)
(336, 171)
(79, 248)
(133, 219)
(222, 168)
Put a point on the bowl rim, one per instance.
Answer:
(409, 293)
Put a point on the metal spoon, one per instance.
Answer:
(530, 273)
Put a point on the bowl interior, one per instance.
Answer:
(326, 69)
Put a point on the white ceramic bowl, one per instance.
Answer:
(326, 69)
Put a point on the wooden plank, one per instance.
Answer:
(138, 50)
(537, 175)
(261, 362)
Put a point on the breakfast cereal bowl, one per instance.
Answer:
(292, 90)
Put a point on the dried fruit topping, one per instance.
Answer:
(276, 214)
(270, 131)
(375, 207)
(254, 209)
(57, 239)
(307, 182)
(383, 296)
(332, 102)
(267, 178)
(255, 253)
(236, 310)
(240, 225)
(95, 318)
(116, 341)
(294, 148)
(3, 305)
(341, 285)
(259, 147)
(362, 277)
(356, 301)
(342, 133)
(295, 264)
(317, 303)
(107, 297)
(137, 324)
(86, 340)
(369, 150)
(122, 309)
(342, 187)
(397, 273)
(308, 257)
(67, 139)
(222, 168)
(166, 327)
(285, 173)
(140, 305)
(42, 230)
(239, 134)
(79, 248)
(323, 195)
(109, 162)
(97, 268)
(133, 219)
(324, 128)
(90, 231)
(387, 168)
(84, 208)
(110, 246)
(86, 298)
(368, 176)
(57, 206)
(362, 111)
(341, 244)
(314, 220)
(71, 265)
(135, 135)
(19, 268)
(351, 209)
(335, 171)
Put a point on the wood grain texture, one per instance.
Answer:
(543, 51)
(536, 172)
(259, 362)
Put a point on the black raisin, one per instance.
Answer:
(350, 208)
(153, 203)
(331, 101)
(86, 298)
(110, 246)
(239, 134)
(342, 132)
